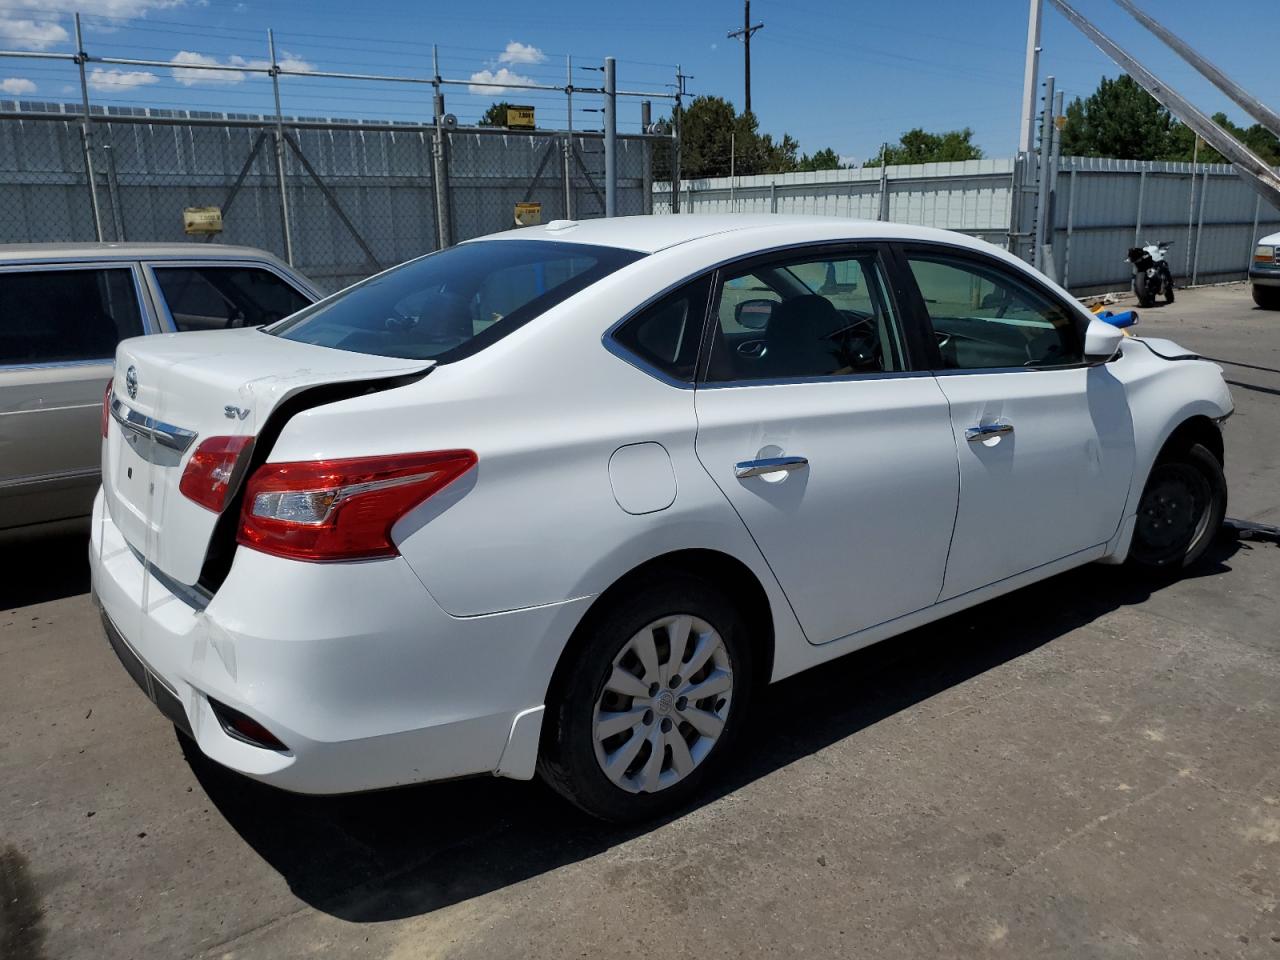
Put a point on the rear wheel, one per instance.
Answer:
(1181, 510)
(1268, 298)
(652, 703)
(1168, 287)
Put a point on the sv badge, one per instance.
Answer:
(235, 413)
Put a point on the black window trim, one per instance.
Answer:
(921, 320)
(150, 321)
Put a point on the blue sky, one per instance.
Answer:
(841, 74)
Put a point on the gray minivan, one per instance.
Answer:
(63, 309)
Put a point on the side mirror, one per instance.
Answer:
(753, 314)
(1101, 341)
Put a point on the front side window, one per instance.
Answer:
(217, 298)
(808, 316)
(984, 317)
(62, 316)
(456, 302)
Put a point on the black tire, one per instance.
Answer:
(1142, 289)
(1268, 298)
(567, 760)
(1181, 511)
(1168, 289)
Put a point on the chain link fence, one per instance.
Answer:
(358, 197)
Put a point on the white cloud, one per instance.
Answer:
(118, 80)
(37, 24)
(31, 34)
(188, 70)
(17, 86)
(115, 9)
(517, 52)
(482, 81)
(849, 160)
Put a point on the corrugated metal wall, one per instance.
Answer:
(1099, 209)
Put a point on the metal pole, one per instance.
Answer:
(677, 115)
(86, 134)
(1055, 148)
(1042, 171)
(1071, 216)
(882, 201)
(733, 149)
(1030, 74)
(1191, 204)
(1251, 104)
(568, 140)
(1195, 260)
(1137, 226)
(113, 193)
(440, 161)
(1253, 237)
(773, 197)
(280, 147)
(610, 137)
(646, 173)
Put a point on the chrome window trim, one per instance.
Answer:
(149, 320)
(816, 381)
(165, 434)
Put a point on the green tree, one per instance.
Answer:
(1119, 119)
(920, 146)
(496, 115)
(824, 159)
(712, 131)
(1122, 120)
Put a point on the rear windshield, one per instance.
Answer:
(456, 302)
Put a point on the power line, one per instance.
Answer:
(745, 34)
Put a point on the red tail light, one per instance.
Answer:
(322, 510)
(207, 480)
(106, 407)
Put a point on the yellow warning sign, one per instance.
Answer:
(520, 118)
(197, 220)
(528, 214)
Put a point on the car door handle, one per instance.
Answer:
(754, 468)
(985, 431)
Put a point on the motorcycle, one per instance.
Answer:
(1151, 276)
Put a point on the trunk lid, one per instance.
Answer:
(172, 392)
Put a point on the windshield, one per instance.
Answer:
(456, 302)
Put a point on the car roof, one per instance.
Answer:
(14, 253)
(649, 234)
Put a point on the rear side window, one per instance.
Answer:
(218, 298)
(666, 334)
(61, 316)
(456, 302)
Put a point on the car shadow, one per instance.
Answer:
(50, 563)
(406, 852)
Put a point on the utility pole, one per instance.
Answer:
(1026, 129)
(745, 34)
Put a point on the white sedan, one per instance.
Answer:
(566, 499)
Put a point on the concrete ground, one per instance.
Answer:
(1083, 769)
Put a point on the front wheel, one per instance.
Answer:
(652, 702)
(1168, 287)
(1268, 298)
(1142, 287)
(1181, 510)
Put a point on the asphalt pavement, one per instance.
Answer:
(1085, 768)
